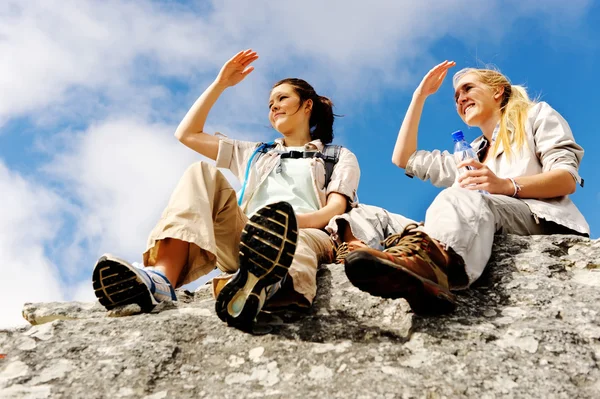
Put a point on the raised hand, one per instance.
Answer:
(236, 69)
(434, 78)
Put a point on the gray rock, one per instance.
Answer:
(40, 313)
(530, 327)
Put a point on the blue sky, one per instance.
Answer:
(92, 92)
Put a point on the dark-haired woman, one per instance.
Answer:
(273, 240)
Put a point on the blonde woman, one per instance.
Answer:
(272, 241)
(528, 163)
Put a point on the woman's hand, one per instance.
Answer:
(482, 178)
(434, 78)
(191, 129)
(236, 69)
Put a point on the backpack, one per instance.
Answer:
(330, 156)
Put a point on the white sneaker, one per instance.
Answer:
(117, 283)
(267, 248)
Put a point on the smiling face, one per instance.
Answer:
(476, 102)
(287, 113)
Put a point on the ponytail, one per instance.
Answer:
(514, 114)
(321, 120)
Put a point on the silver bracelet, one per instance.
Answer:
(517, 187)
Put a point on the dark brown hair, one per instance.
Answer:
(322, 116)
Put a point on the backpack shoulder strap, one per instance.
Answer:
(331, 155)
(263, 148)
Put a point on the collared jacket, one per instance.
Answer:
(235, 154)
(550, 145)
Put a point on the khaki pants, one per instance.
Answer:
(462, 219)
(203, 211)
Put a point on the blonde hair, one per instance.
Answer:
(514, 106)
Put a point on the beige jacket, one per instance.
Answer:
(234, 155)
(550, 145)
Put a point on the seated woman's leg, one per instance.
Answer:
(182, 246)
(244, 295)
(466, 221)
(171, 258)
(348, 241)
(313, 248)
(364, 226)
(449, 251)
(201, 223)
(266, 253)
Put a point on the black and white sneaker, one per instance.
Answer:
(267, 248)
(118, 283)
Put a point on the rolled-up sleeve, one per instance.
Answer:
(437, 166)
(345, 176)
(234, 155)
(555, 145)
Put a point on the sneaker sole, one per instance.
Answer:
(386, 279)
(267, 248)
(116, 284)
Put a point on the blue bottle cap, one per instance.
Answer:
(458, 135)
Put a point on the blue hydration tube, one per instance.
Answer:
(258, 149)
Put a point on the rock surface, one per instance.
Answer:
(529, 328)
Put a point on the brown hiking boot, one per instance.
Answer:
(412, 266)
(340, 251)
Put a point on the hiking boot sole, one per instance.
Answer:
(383, 278)
(117, 284)
(267, 248)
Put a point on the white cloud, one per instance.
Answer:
(120, 174)
(30, 220)
(112, 54)
(95, 45)
(83, 291)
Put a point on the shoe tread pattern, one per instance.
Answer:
(116, 285)
(267, 247)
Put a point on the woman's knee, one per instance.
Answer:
(454, 200)
(454, 196)
(314, 243)
(304, 238)
(203, 167)
(206, 171)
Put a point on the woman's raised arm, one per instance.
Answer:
(190, 130)
(406, 143)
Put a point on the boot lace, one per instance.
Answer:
(340, 252)
(409, 240)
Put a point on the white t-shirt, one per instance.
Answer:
(290, 182)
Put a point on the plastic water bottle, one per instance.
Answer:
(463, 151)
